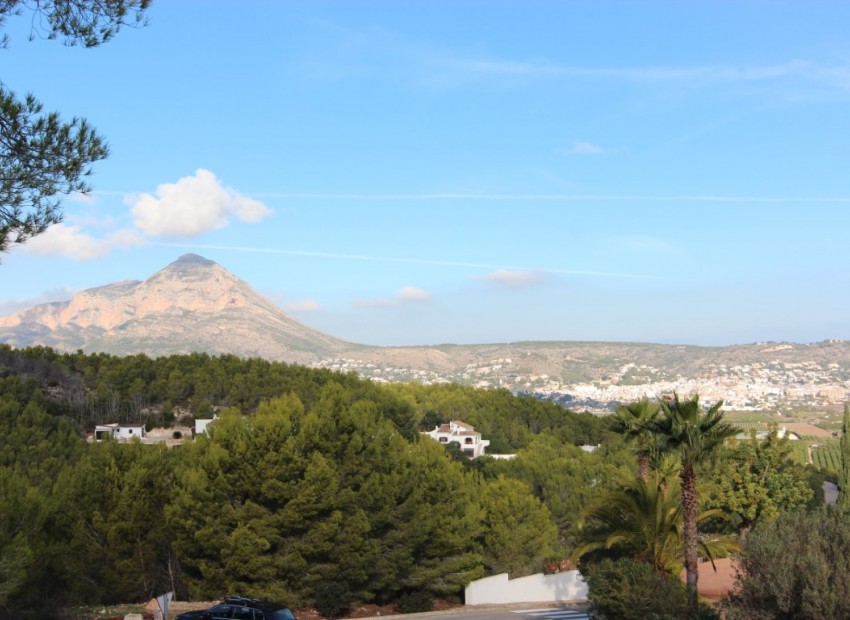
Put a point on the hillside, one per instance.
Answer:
(195, 305)
(192, 305)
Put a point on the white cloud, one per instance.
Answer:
(411, 293)
(513, 279)
(192, 206)
(70, 241)
(103, 222)
(408, 294)
(303, 305)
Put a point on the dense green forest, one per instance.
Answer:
(317, 488)
(313, 487)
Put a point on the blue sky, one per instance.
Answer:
(424, 172)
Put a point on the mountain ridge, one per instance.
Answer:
(191, 305)
(195, 305)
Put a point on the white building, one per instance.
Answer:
(120, 432)
(201, 425)
(780, 434)
(464, 435)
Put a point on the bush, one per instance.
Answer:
(626, 589)
(177, 435)
(795, 567)
(414, 602)
(333, 599)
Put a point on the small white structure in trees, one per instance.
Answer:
(120, 432)
(201, 425)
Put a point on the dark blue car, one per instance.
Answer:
(241, 608)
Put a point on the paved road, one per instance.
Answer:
(554, 613)
(503, 612)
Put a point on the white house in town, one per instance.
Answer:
(121, 432)
(760, 435)
(460, 433)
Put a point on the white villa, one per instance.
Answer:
(463, 434)
(121, 432)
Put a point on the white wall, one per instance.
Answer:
(539, 588)
(128, 432)
(201, 425)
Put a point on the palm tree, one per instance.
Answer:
(633, 422)
(644, 521)
(693, 433)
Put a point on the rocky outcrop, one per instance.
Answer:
(192, 305)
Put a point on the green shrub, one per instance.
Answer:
(333, 599)
(414, 602)
(795, 567)
(626, 589)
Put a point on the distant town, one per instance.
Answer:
(773, 385)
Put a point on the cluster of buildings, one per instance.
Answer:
(754, 386)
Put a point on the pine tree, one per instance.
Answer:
(42, 157)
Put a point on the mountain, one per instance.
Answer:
(192, 305)
(195, 305)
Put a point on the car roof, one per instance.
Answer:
(253, 602)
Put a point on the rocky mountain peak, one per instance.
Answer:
(191, 305)
(190, 263)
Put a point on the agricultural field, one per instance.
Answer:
(817, 433)
(755, 417)
(826, 455)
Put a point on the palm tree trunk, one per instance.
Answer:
(643, 466)
(689, 534)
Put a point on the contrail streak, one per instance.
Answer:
(554, 197)
(449, 196)
(409, 261)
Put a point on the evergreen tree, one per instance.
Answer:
(107, 520)
(565, 478)
(325, 507)
(844, 475)
(40, 155)
(519, 534)
(794, 567)
(21, 510)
